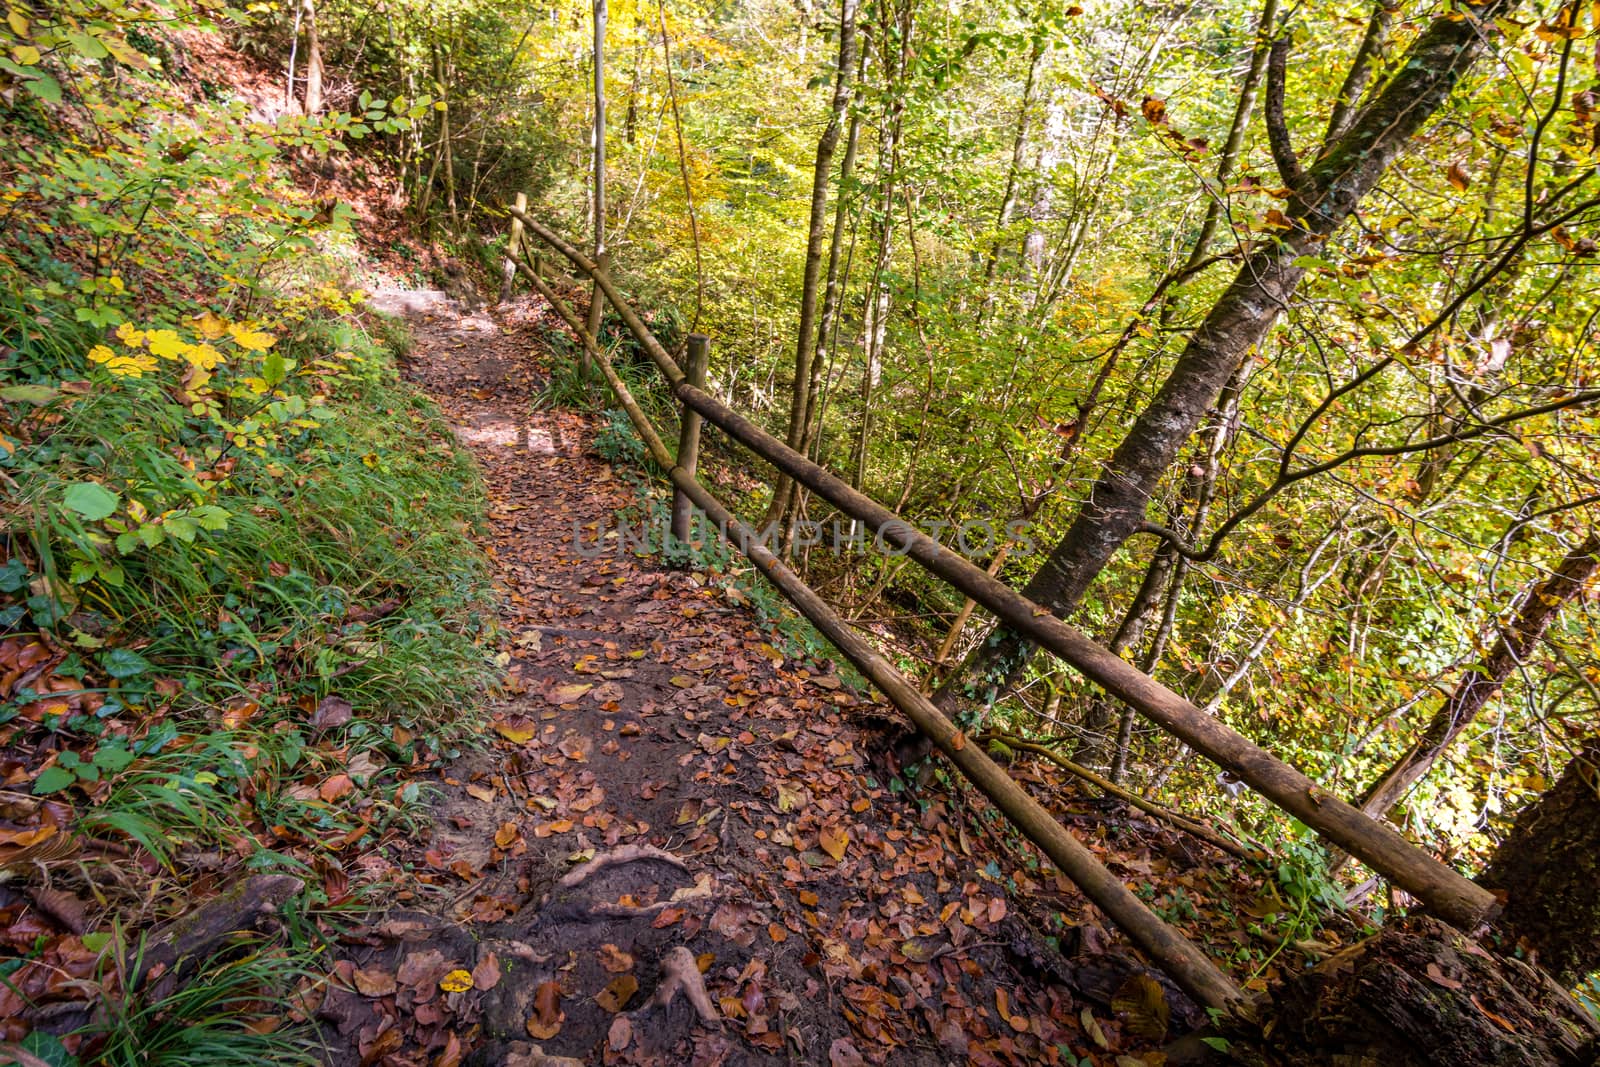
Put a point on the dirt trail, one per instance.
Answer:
(834, 922)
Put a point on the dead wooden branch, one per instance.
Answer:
(1149, 807)
(1445, 890)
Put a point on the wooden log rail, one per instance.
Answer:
(1171, 951)
(1444, 890)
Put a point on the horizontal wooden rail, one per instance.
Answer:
(1168, 949)
(1451, 895)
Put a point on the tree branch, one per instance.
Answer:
(1283, 156)
(1347, 104)
(1285, 480)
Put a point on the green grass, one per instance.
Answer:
(344, 565)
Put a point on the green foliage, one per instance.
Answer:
(224, 509)
(208, 1018)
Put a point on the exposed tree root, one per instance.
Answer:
(525, 1054)
(617, 856)
(680, 973)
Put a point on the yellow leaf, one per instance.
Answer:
(165, 343)
(129, 336)
(833, 841)
(210, 327)
(26, 55)
(456, 982)
(202, 356)
(518, 731)
(253, 340)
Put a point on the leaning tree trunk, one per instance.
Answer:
(1323, 198)
(1549, 870)
(1541, 606)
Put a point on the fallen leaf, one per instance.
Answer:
(334, 788)
(486, 975)
(614, 960)
(374, 983)
(1092, 1028)
(1143, 1004)
(484, 793)
(332, 712)
(457, 981)
(1437, 977)
(517, 730)
(506, 835)
(833, 840)
(842, 1053)
(570, 693)
(615, 996)
(545, 1022)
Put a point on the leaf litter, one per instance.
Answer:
(677, 848)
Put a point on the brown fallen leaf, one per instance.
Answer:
(338, 786)
(486, 975)
(615, 996)
(614, 960)
(1437, 977)
(833, 840)
(1143, 1005)
(842, 1053)
(374, 982)
(620, 1036)
(545, 1022)
(332, 712)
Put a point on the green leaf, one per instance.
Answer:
(112, 760)
(123, 663)
(91, 500)
(37, 395)
(44, 87)
(52, 780)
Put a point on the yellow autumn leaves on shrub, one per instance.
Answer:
(144, 349)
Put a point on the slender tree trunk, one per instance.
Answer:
(875, 310)
(1539, 609)
(597, 303)
(1008, 200)
(313, 61)
(804, 351)
(1322, 199)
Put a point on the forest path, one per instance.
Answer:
(834, 922)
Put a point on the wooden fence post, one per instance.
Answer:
(689, 436)
(597, 309)
(508, 269)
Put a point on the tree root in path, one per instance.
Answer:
(616, 857)
(681, 974)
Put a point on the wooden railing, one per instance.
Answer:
(1444, 890)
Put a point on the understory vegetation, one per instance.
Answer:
(240, 587)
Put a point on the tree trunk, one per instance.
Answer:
(1549, 869)
(804, 351)
(1323, 198)
(1008, 201)
(313, 61)
(1539, 609)
(1419, 994)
